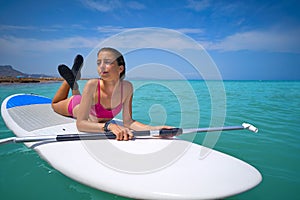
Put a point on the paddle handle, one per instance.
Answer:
(73, 137)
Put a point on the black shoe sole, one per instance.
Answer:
(68, 75)
(77, 65)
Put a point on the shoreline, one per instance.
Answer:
(23, 80)
(11, 80)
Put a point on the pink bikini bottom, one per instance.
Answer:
(73, 102)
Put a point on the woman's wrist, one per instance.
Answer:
(106, 126)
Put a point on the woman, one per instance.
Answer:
(102, 99)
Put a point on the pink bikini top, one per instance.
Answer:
(99, 111)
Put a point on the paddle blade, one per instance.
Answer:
(250, 127)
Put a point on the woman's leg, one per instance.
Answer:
(60, 101)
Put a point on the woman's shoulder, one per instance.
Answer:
(126, 84)
(91, 84)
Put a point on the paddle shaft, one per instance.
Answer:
(156, 133)
(109, 135)
(90, 136)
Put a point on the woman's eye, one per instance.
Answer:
(105, 62)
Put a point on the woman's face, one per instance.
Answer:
(108, 66)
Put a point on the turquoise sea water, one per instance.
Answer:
(272, 106)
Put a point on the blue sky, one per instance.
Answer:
(245, 39)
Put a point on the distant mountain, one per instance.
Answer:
(9, 71)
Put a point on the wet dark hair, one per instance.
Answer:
(119, 58)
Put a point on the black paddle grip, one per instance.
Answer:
(170, 132)
(74, 137)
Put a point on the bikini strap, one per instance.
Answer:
(99, 91)
(121, 91)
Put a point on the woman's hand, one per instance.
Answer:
(121, 132)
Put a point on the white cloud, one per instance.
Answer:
(151, 38)
(21, 47)
(103, 5)
(8, 28)
(190, 30)
(109, 5)
(273, 40)
(111, 29)
(12, 44)
(136, 5)
(13, 28)
(198, 5)
(119, 29)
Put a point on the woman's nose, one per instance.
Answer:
(101, 65)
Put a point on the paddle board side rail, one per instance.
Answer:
(109, 135)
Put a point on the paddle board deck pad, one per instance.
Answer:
(144, 168)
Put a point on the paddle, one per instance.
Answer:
(109, 135)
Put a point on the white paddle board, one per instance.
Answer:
(144, 168)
